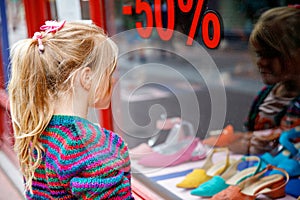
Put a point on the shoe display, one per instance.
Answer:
(271, 185)
(208, 170)
(230, 177)
(226, 178)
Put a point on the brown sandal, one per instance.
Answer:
(272, 186)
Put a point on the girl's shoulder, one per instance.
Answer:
(75, 132)
(294, 107)
(265, 90)
(76, 139)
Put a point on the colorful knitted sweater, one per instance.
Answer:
(81, 161)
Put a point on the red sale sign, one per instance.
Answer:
(209, 20)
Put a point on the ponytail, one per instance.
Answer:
(30, 105)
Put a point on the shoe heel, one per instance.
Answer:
(199, 152)
(280, 192)
(196, 158)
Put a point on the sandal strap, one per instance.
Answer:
(233, 169)
(258, 167)
(208, 162)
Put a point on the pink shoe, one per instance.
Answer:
(187, 150)
(140, 151)
(176, 135)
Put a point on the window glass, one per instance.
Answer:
(234, 63)
(165, 83)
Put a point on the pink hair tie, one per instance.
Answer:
(49, 27)
(39, 36)
(52, 26)
(294, 5)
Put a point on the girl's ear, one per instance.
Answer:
(86, 78)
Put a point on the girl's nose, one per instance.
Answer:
(113, 81)
(262, 61)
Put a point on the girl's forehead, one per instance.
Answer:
(257, 47)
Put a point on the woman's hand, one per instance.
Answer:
(260, 146)
(257, 142)
(264, 141)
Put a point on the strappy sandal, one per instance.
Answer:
(208, 170)
(230, 177)
(272, 185)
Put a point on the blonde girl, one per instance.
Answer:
(56, 76)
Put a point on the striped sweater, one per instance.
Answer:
(81, 161)
(287, 118)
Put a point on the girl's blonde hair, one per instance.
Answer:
(278, 30)
(38, 78)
